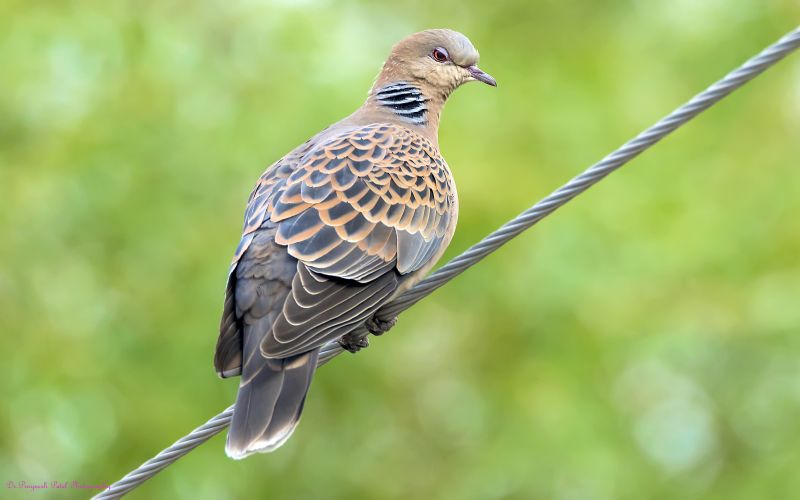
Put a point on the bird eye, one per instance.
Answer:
(440, 55)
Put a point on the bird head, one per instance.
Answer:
(438, 60)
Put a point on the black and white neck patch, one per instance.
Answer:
(405, 100)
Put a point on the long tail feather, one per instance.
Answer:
(269, 404)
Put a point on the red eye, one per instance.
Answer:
(440, 55)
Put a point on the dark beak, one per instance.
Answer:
(479, 75)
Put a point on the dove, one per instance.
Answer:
(339, 226)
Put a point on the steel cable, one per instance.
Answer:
(702, 101)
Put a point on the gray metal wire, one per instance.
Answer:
(702, 101)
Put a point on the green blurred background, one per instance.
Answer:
(641, 343)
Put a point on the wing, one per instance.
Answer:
(375, 198)
(360, 211)
(230, 344)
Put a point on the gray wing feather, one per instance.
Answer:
(330, 232)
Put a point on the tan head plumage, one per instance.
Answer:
(437, 60)
(419, 75)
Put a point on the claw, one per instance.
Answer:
(377, 326)
(353, 343)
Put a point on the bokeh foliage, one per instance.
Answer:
(641, 343)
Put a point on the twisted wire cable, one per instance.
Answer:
(699, 103)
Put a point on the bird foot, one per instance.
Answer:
(353, 343)
(377, 326)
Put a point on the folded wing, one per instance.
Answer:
(360, 211)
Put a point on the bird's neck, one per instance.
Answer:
(404, 100)
(404, 103)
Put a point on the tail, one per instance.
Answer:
(269, 404)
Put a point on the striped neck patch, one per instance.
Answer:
(405, 100)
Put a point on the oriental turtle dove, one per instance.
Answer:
(335, 229)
